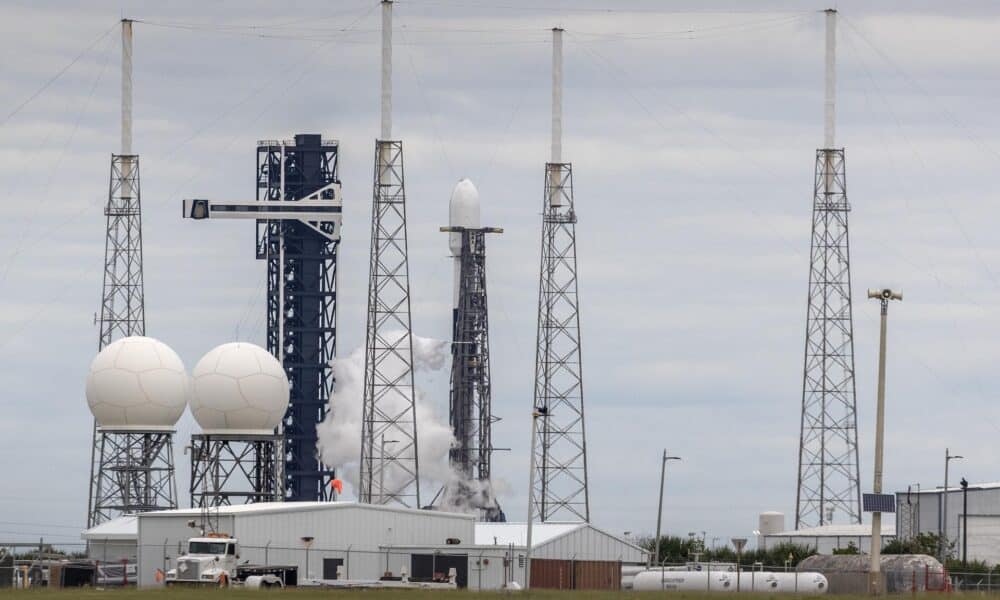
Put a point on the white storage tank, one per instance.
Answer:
(771, 523)
(724, 581)
(687, 581)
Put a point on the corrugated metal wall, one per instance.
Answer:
(576, 574)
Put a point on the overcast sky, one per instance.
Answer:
(692, 135)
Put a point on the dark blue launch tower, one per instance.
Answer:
(301, 298)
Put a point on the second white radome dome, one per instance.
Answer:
(239, 387)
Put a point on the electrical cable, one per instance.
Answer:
(427, 109)
(28, 226)
(55, 77)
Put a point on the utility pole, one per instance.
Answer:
(965, 520)
(943, 537)
(659, 509)
(875, 578)
(538, 412)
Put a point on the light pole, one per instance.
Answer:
(535, 414)
(381, 469)
(943, 538)
(738, 543)
(659, 508)
(307, 542)
(875, 578)
(965, 520)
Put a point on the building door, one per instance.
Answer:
(330, 567)
(425, 566)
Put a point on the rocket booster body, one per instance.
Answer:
(463, 211)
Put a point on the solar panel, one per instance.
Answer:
(881, 503)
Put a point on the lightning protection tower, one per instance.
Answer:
(828, 447)
(123, 315)
(470, 401)
(560, 492)
(389, 470)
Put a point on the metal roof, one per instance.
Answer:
(127, 527)
(122, 528)
(280, 507)
(953, 488)
(504, 534)
(846, 530)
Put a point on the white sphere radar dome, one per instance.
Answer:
(239, 387)
(137, 383)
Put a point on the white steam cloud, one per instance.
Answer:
(340, 433)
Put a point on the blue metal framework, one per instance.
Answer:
(301, 321)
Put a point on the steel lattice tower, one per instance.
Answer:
(130, 471)
(828, 447)
(389, 411)
(561, 492)
(470, 410)
(301, 298)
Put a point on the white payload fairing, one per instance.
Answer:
(463, 211)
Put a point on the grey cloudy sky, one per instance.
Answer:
(692, 131)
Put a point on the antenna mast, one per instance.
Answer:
(130, 471)
(828, 444)
(560, 490)
(389, 474)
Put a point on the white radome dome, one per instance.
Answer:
(135, 383)
(239, 387)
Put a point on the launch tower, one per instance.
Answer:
(298, 214)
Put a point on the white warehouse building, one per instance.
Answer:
(827, 538)
(923, 511)
(368, 540)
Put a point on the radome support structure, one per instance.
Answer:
(389, 469)
(236, 469)
(470, 406)
(131, 471)
(560, 490)
(828, 447)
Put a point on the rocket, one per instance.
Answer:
(463, 211)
